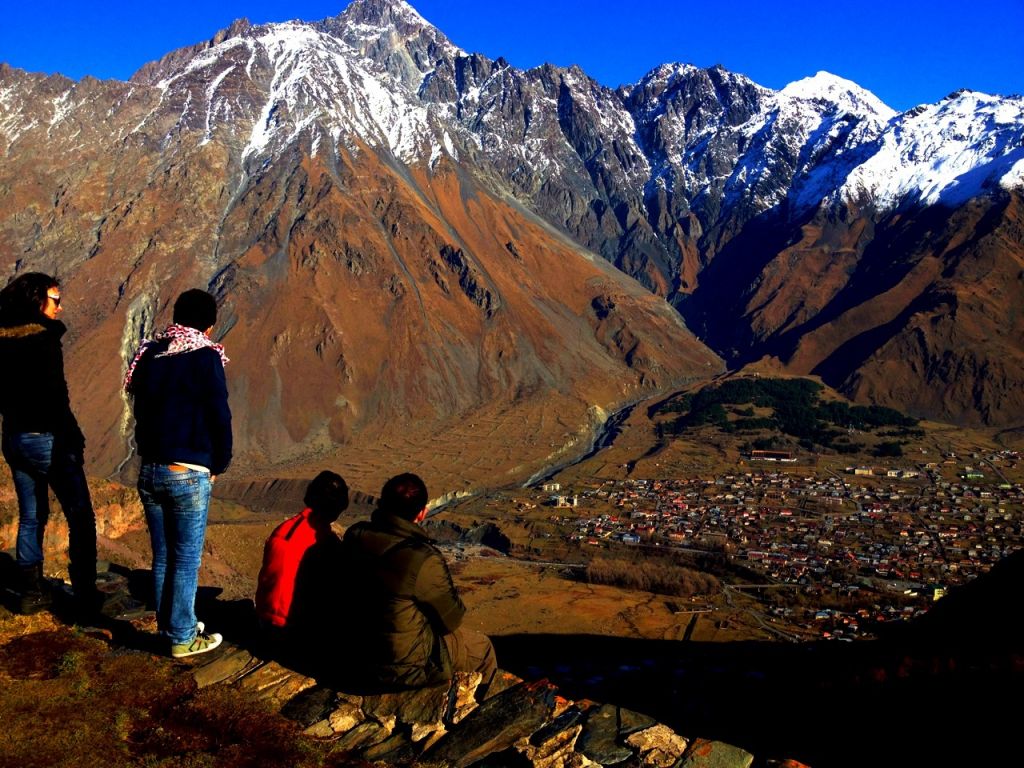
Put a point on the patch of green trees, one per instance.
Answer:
(797, 411)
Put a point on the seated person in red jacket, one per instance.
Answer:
(299, 559)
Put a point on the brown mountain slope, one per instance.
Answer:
(808, 225)
(919, 311)
(377, 317)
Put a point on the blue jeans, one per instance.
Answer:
(38, 461)
(176, 505)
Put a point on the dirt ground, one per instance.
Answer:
(504, 595)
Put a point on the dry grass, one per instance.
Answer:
(70, 699)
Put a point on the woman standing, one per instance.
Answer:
(42, 442)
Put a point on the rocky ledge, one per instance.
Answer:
(513, 724)
(516, 723)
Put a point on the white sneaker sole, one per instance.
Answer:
(183, 651)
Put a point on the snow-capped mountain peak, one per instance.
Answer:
(379, 74)
(353, 76)
(380, 13)
(382, 29)
(845, 94)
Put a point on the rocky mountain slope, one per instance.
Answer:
(383, 306)
(402, 235)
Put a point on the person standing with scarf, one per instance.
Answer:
(183, 437)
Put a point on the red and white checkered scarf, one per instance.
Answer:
(183, 339)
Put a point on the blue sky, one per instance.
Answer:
(907, 52)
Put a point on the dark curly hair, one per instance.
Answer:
(24, 297)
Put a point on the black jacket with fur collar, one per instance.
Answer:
(33, 391)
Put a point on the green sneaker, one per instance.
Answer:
(201, 644)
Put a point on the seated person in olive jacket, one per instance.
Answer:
(407, 612)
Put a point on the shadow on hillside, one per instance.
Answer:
(825, 705)
(941, 690)
(236, 621)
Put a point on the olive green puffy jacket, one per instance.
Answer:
(404, 601)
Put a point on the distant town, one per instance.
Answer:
(860, 545)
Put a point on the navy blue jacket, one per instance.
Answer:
(181, 408)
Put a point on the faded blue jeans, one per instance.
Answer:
(38, 461)
(176, 504)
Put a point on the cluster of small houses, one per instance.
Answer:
(910, 535)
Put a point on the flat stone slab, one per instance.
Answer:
(310, 706)
(426, 705)
(599, 740)
(231, 661)
(564, 722)
(631, 722)
(704, 753)
(394, 750)
(273, 682)
(364, 735)
(494, 726)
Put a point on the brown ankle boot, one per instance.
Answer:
(35, 593)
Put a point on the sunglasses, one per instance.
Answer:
(54, 299)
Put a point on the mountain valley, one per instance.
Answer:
(415, 246)
(514, 283)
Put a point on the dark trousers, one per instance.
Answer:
(38, 461)
(472, 652)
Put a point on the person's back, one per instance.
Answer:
(183, 436)
(403, 602)
(300, 561)
(405, 612)
(181, 411)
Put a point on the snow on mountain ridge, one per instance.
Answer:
(944, 153)
(379, 72)
(12, 122)
(391, 36)
(302, 77)
(202, 60)
(722, 134)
